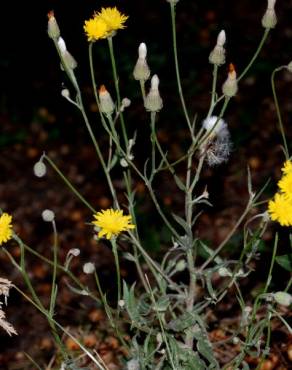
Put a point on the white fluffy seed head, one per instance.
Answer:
(48, 215)
(40, 169)
(88, 268)
(214, 124)
(142, 51)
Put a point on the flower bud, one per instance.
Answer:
(172, 1)
(217, 55)
(141, 70)
(68, 59)
(125, 104)
(230, 86)
(289, 67)
(181, 265)
(88, 268)
(133, 364)
(74, 251)
(53, 28)
(40, 169)
(65, 93)
(269, 19)
(106, 103)
(48, 215)
(153, 101)
(283, 298)
(121, 303)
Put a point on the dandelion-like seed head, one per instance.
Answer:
(112, 222)
(5, 228)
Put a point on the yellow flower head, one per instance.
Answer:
(95, 29)
(280, 209)
(113, 18)
(285, 185)
(287, 168)
(112, 222)
(5, 228)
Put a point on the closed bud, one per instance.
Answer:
(153, 101)
(289, 67)
(269, 19)
(68, 59)
(40, 169)
(106, 103)
(65, 93)
(88, 268)
(181, 265)
(217, 55)
(133, 364)
(283, 298)
(141, 70)
(230, 86)
(53, 28)
(74, 252)
(48, 215)
(172, 1)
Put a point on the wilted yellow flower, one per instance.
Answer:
(5, 228)
(113, 18)
(95, 29)
(112, 222)
(285, 185)
(280, 209)
(287, 168)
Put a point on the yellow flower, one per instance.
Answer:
(280, 209)
(113, 18)
(287, 168)
(5, 228)
(112, 222)
(95, 29)
(285, 185)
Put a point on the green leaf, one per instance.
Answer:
(285, 261)
(183, 322)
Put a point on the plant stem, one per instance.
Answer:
(178, 78)
(279, 116)
(116, 81)
(68, 183)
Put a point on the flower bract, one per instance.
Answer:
(5, 228)
(112, 222)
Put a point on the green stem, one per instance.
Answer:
(116, 81)
(55, 263)
(279, 116)
(68, 183)
(117, 263)
(178, 78)
(261, 44)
